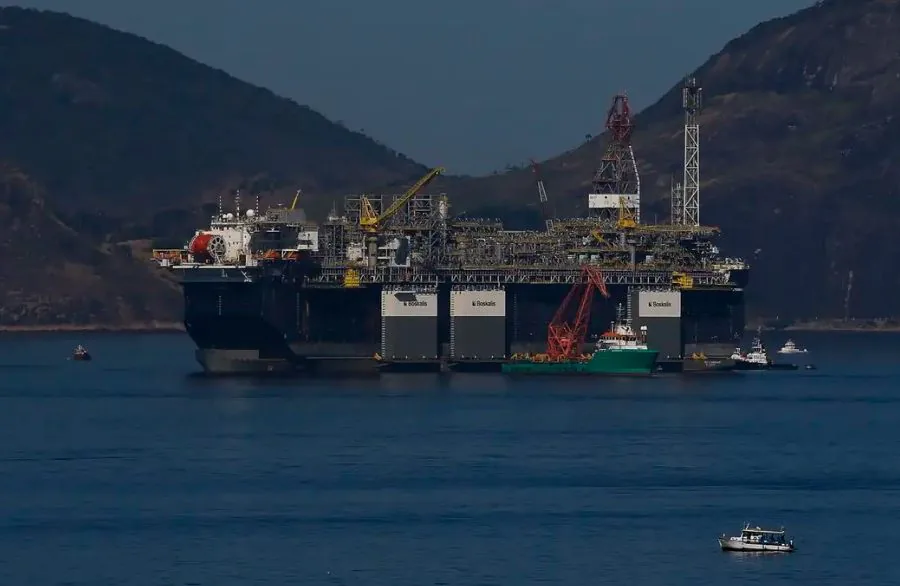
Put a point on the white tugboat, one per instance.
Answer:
(756, 539)
(790, 347)
(757, 358)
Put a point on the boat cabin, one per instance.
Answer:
(620, 335)
(763, 536)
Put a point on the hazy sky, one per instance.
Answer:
(468, 84)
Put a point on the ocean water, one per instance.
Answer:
(131, 470)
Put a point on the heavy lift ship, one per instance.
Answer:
(396, 283)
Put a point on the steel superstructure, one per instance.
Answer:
(314, 285)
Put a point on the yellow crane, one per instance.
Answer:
(626, 215)
(371, 222)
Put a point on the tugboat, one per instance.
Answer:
(791, 348)
(757, 358)
(80, 353)
(756, 539)
(621, 336)
(619, 351)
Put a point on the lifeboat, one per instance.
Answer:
(199, 244)
(207, 245)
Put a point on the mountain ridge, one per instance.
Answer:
(798, 158)
(114, 141)
(164, 115)
(796, 149)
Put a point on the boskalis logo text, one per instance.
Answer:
(478, 303)
(416, 303)
(659, 304)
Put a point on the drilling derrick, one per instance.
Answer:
(692, 101)
(616, 185)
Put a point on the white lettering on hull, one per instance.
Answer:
(478, 303)
(408, 304)
(659, 304)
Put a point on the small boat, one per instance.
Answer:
(792, 348)
(619, 351)
(757, 358)
(756, 539)
(81, 353)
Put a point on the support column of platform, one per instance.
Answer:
(660, 312)
(409, 325)
(478, 324)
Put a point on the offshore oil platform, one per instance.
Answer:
(395, 282)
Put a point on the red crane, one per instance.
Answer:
(564, 339)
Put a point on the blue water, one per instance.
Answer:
(128, 470)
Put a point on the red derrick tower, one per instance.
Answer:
(616, 185)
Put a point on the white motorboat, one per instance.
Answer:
(756, 539)
(790, 347)
(757, 358)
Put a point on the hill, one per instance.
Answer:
(108, 120)
(53, 275)
(110, 140)
(800, 158)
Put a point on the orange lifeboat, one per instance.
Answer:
(199, 244)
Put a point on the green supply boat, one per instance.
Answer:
(618, 352)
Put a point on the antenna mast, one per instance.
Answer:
(692, 101)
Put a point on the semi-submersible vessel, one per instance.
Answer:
(397, 282)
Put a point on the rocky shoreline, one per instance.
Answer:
(135, 328)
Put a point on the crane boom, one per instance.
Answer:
(370, 222)
(564, 339)
(542, 194)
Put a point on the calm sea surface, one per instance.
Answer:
(128, 470)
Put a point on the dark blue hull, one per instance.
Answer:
(279, 324)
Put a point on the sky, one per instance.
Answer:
(473, 85)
